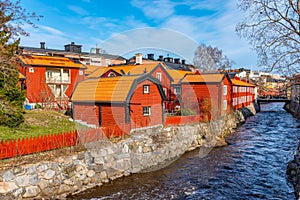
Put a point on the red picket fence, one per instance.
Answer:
(179, 120)
(20, 147)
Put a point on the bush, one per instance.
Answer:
(185, 112)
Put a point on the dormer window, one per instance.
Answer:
(111, 74)
(158, 76)
(146, 89)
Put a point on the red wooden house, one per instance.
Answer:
(124, 102)
(155, 69)
(174, 99)
(243, 94)
(207, 94)
(50, 81)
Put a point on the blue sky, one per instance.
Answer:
(177, 26)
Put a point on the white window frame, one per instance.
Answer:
(225, 90)
(165, 91)
(111, 74)
(225, 104)
(158, 75)
(146, 89)
(147, 111)
(31, 70)
(177, 90)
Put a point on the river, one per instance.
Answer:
(252, 166)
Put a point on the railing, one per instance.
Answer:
(25, 146)
(57, 80)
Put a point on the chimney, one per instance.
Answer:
(177, 60)
(183, 62)
(74, 48)
(168, 59)
(42, 45)
(161, 58)
(150, 56)
(138, 59)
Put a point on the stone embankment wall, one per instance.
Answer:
(293, 168)
(144, 150)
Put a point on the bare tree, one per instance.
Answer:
(273, 29)
(210, 59)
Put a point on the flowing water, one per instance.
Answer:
(252, 166)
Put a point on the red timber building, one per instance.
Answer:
(207, 94)
(173, 100)
(50, 81)
(155, 69)
(243, 94)
(123, 102)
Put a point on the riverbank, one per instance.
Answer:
(144, 150)
(293, 168)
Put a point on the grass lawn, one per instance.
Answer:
(38, 122)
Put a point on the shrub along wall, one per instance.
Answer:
(103, 161)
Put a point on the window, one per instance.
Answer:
(165, 91)
(111, 74)
(146, 89)
(177, 90)
(225, 90)
(225, 105)
(107, 62)
(147, 111)
(80, 72)
(158, 76)
(31, 69)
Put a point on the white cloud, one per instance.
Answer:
(51, 30)
(151, 38)
(157, 9)
(78, 10)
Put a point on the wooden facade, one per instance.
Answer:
(50, 80)
(208, 94)
(126, 102)
(243, 94)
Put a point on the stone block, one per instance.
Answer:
(49, 174)
(6, 187)
(103, 176)
(90, 173)
(8, 175)
(31, 192)
(43, 184)
(42, 167)
(23, 181)
(63, 188)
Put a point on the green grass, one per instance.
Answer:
(38, 122)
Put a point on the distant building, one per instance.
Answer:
(74, 51)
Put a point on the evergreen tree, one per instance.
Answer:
(12, 17)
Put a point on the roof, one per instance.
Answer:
(177, 75)
(113, 89)
(21, 76)
(50, 61)
(125, 69)
(203, 78)
(109, 90)
(91, 68)
(50, 51)
(241, 83)
(176, 66)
